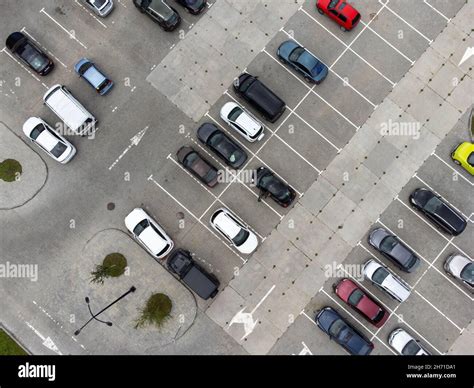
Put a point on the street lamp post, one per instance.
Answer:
(94, 316)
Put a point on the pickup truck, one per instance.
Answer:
(196, 278)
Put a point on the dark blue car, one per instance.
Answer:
(302, 61)
(329, 321)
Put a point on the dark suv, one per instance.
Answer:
(197, 279)
(259, 96)
(160, 12)
(29, 53)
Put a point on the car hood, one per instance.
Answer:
(422, 196)
(457, 263)
(250, 244)
(286, 48)
(325, 318)
(377, 235)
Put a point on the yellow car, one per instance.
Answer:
(463, 155)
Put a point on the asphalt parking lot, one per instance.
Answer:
(365, 64)
(435, 295)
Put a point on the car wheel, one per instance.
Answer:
(309, 80)
(343, 28)
(457, 162)
(320, 11)
(281, 60)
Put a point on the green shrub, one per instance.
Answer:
(156, 311)
(114, 265)
(10, 169)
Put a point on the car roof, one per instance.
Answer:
(94, 76)
(227, 224)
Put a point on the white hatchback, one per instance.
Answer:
(242, 121)
(149, 233)
(234, 231)
(405, 344)
(51, 142)
(386, 280)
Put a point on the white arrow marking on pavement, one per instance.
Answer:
(134, 141)
(468, 54)
(247, 318)
(47, 341)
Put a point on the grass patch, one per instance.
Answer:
(113, 266)
(10, 170)
(156, 311)
(9, 347)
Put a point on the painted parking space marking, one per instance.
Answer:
(439, 311)
(151, 179)
(437, 11)
(461, 175)
(404, 21)
(91, 14)
(43, 47)
(330, 68)
(350, 48)
(71, 35)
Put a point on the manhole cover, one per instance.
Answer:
(110, 206)
(180, 215)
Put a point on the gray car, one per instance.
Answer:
(462, 269)
(394, 250)
(100, 7)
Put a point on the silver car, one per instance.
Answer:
(386, 280)
(100, 7)
(462, 269)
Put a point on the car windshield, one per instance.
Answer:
(433, 205)
(379, 316)
(333, 3)
(470, 159)
(388, 243)
(161, 8)
(32, 56)
(190, 159)
(295, 54)
(160, 253)
(241, 237)
(355, 297)
(140, 227)
(337, 326)
(59, 149)
(98, 3)
(411, 348)
(235, 113)
(245, 85)
(467, 273)
(379, 275)
(37, 131)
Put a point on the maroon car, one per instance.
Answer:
(198, 166)
(355, 297)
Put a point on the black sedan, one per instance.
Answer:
(194, 7)
(329, 321)
(30, 54)
(160, 12)
(222, 145)
(272, 186)
(197, 165)
(438, 211)
(394, 250)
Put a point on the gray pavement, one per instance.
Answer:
(330, 146)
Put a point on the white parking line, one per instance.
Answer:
(439, 311)
(4, 50)
(215, 197)
(71, 35)
(44, 48)
(311, 90)
(437, 11)
(403, 20)
(276, 135)
(344, 80)
(392, 312)
(350, 48)
(452, 168)
(91, 14)
(412, 62)
(358, 35)
(425, 260)
(121, 3)
(415, 175)
(150, 178)
(374, 335)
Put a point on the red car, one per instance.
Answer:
(340, 11)
(355, 297)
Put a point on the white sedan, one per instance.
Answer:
(148, 233)
(234, 231)
(386, 280)
(405, 344)
(51, 142)
(242, 121)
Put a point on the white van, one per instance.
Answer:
(69, 110)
